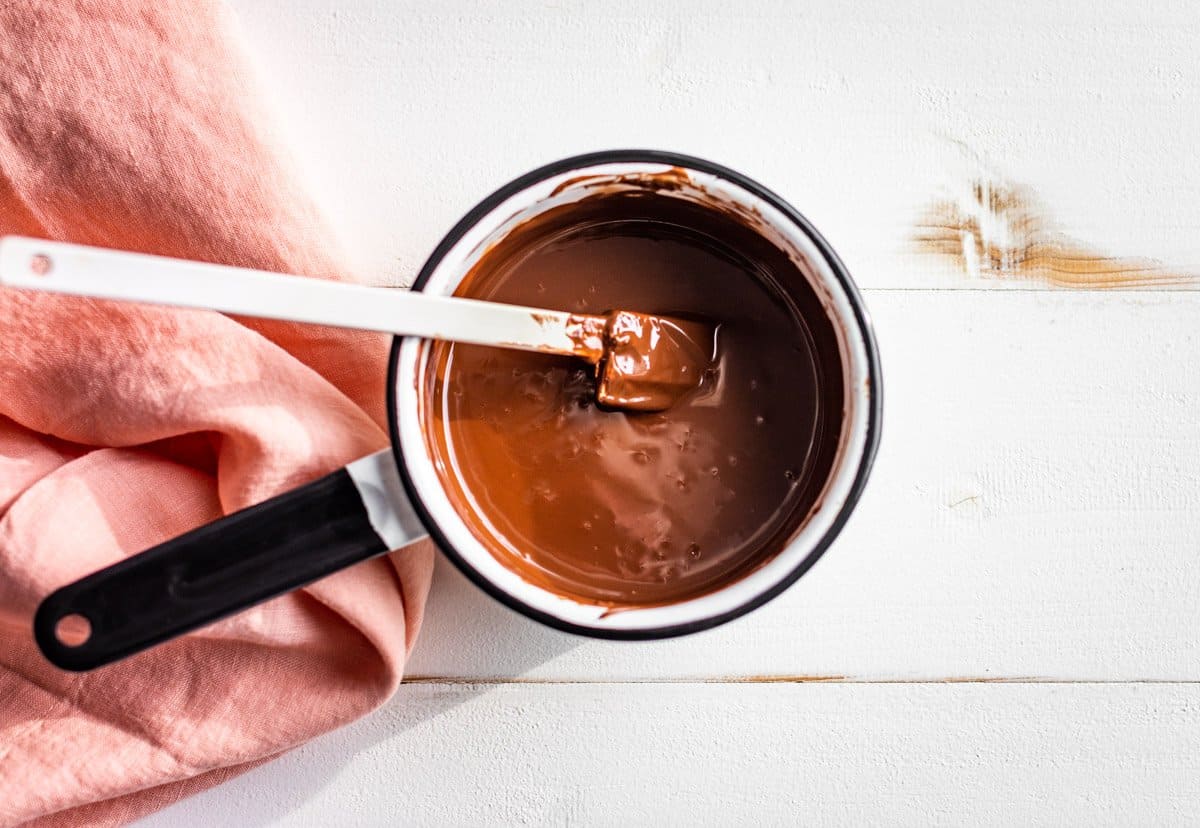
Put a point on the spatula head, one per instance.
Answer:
(651, 362)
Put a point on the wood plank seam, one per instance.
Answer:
(1017, 680)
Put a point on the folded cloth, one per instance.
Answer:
(132, 124)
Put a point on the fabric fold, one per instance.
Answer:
(136, 125)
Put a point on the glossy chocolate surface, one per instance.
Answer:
(634, 508)
(650, 363)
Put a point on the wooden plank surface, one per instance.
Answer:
(1031, 525)
(1033, 513)
(791, 754)
(405, 114)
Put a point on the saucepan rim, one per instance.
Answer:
(871, 395)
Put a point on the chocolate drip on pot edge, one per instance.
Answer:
(626, 508)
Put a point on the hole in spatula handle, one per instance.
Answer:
(73, 630)
(40, 264)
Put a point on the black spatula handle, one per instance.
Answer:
(284, 543)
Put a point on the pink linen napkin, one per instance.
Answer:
(132, 124)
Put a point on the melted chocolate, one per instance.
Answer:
(643, 362)
(628, 508)
(649, 363)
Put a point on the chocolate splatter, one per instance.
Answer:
(997, 230)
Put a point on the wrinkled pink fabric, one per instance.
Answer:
(133, 125)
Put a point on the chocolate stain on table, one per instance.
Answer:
(1002, 231)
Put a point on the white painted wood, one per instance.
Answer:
(1034, 511)
(80, 270)
(1034, 508)
(774, 754)
(405, 113)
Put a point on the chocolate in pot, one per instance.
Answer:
(633, 508)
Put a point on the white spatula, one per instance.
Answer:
(58, 267)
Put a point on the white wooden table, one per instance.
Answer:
(1007, 631)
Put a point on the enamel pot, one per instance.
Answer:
(394, 497)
